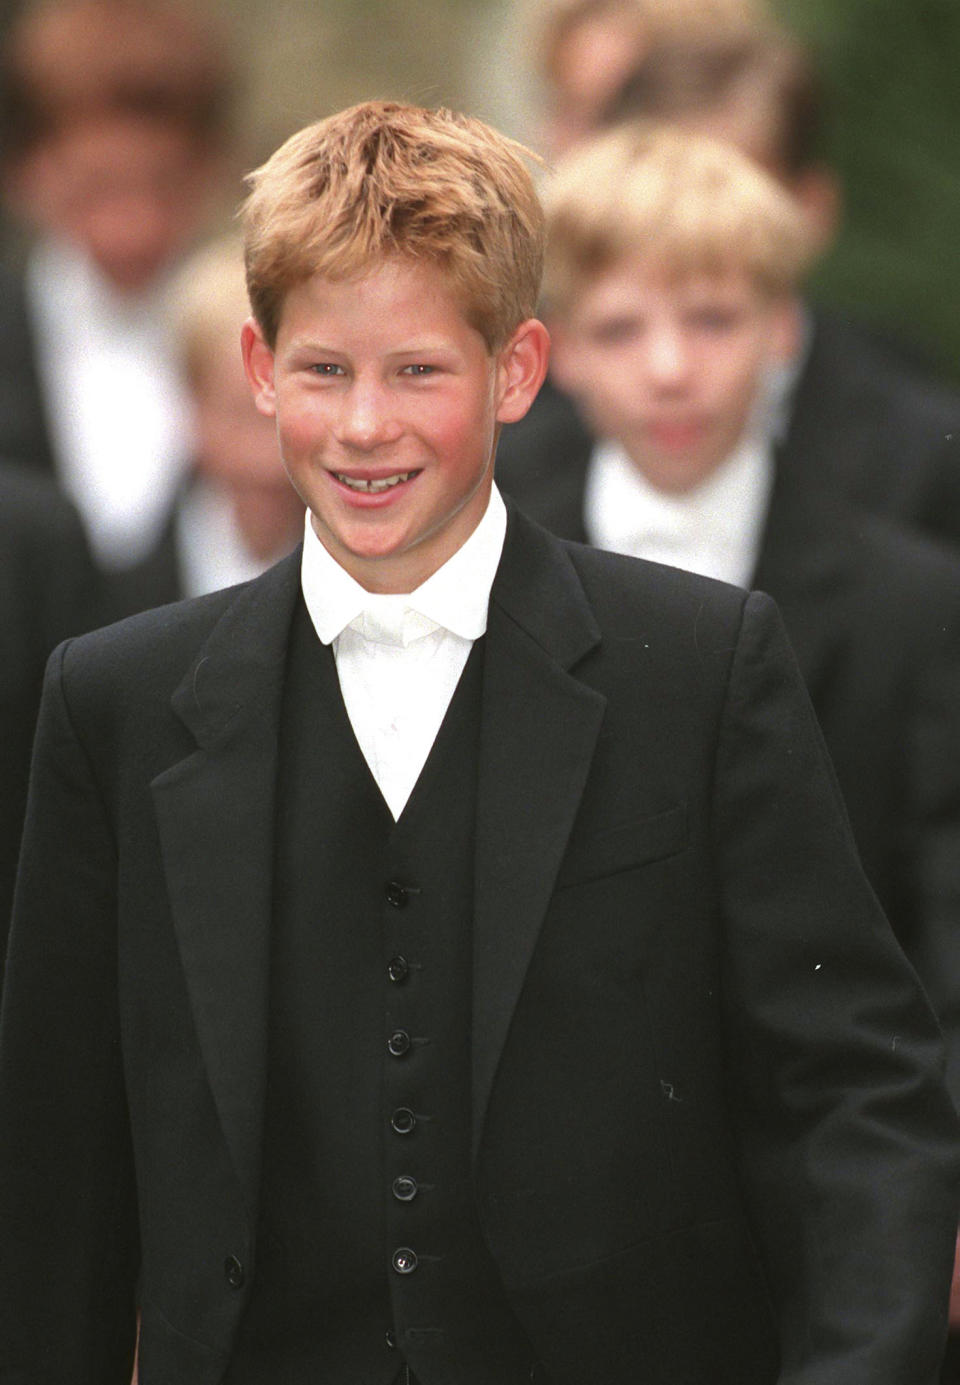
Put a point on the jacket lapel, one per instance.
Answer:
(805, 565)
(538, 731)
(215, 814)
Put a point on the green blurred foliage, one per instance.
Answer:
(894, 136)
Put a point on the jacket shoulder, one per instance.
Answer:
(623, 590)
(124, 675)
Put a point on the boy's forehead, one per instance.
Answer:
(415, 296)
(634, 277)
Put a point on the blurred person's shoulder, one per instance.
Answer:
(852, 355)
(33, 507)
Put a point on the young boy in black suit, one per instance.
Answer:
(455, 965)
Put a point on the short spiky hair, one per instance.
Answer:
(383, 179)
(685, 203)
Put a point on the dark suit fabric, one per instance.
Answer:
(708, 1129)
(48, 590)
(881, 437)
(154, 580)
(24, 425)
(873, 613)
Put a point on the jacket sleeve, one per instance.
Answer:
(67, 1207)
(847, 1136)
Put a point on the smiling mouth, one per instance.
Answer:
(382, 483)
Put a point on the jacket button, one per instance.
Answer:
(391, 1339)
(405, 1188)
(398, 969)
(397, 894)
(233, 1271)
(399, 1043)
(403, 1120)
(404, 1260)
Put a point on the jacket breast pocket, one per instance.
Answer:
(624, 847)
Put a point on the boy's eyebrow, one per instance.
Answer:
(415, 346)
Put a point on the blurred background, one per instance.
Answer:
(889, 67)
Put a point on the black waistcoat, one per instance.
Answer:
(369, 1252)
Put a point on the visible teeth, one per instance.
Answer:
(357, 484)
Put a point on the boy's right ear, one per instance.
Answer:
(258, 363)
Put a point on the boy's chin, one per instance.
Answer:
(677, 475)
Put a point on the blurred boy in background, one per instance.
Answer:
(858, 415)
(114, 118)
(586, 49)
(236, 512)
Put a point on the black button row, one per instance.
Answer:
(403, 1121)
(404, 1260)
(397, 895)
(398, 969)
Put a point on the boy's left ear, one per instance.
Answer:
(258, 364)
(521, 369)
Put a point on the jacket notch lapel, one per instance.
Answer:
(215, 816)
(538, 732)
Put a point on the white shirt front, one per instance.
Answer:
(714, 530)
(399, 658)
(118, 411)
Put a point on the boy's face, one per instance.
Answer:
(671, 369)
(387, 406)
(131, 193)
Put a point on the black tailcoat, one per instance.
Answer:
(708, 1127)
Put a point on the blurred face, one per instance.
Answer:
(387, 406)
(235, 450)
(129, 192)
(670, 369)
(592, 61)
(234, 444)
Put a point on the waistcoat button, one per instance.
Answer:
(403, 1120)
(404, 1260)
(398, 969)
(399, 1043)
(233, 1271)
(397, 894)
(404, 1188)
(391, 1339)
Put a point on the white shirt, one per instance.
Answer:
(399, 658)
(118, 412)
(714, 530)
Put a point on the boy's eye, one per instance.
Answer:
(713, 319)
(326, 368)
(419, 369)
(616, 330)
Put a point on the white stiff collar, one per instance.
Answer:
(454, 598)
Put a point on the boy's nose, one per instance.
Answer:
(367, 419)
(667, 360)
